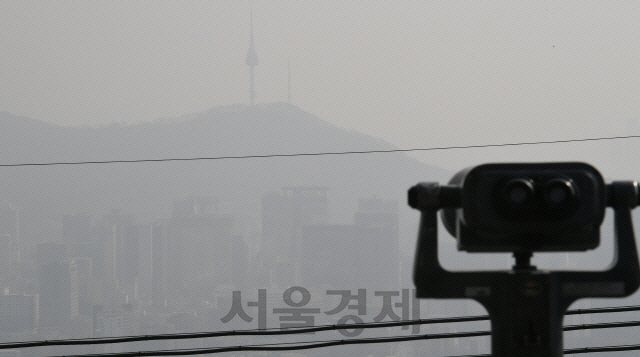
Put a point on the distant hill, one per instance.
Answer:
(147, 189)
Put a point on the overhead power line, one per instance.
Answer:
(327, 153)
(303, 330)
(291, 346)
(261, 332)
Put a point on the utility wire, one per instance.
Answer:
(303, 330)
(262, 332)
(291, 346)
(617, 348)
(232, 157)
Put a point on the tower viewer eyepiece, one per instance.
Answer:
(528, 207)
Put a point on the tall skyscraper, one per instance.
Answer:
(192, 251)
(201, 247)
(10, 245)
(18, 312)
(117, 266)
(378, 221)
(9, 224)
(58, 288)
(252, 61)
(363, 254)
(284, 214)
(159, 264)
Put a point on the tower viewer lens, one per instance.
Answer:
(518, 192)
(559, 192)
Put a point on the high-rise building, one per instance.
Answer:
(201, 250)
(330, 253)
(117, 238)
(159, 266)
(10, 245)
(239, 261)
(9, 227)
(87, 294)
(192, 250)
(284, 214)
(19, 312)
(9, 256)
(378, 220)
(145, 261)
(362, 255)
(127, 254)
(58, 290)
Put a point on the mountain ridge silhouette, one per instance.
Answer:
(148, 189)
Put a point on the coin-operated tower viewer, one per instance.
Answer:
(525, 208)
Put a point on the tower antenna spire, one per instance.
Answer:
(252, 61)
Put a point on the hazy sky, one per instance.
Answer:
(415, 73)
